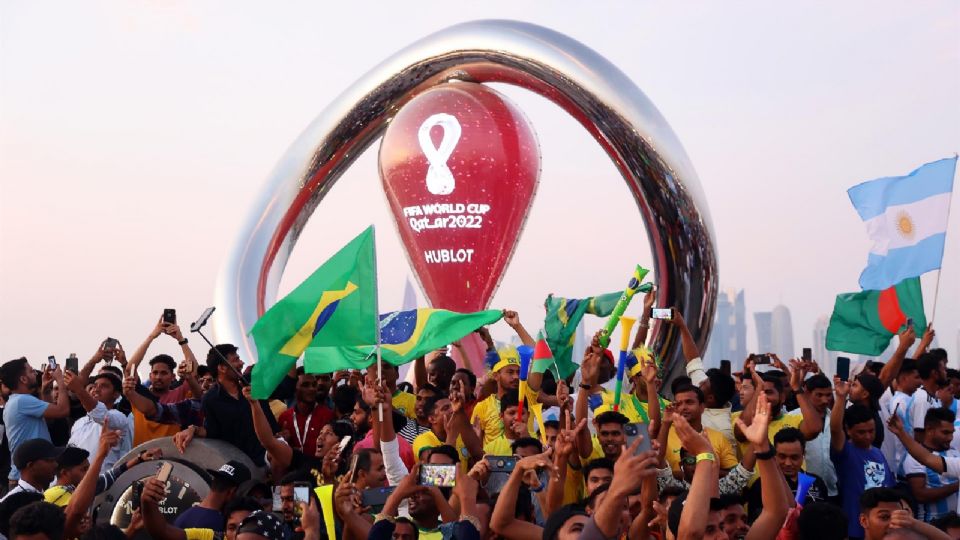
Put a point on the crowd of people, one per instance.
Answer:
(774, 451)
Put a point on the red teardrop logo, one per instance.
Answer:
(459, 165)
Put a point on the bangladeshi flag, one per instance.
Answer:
(864, 322)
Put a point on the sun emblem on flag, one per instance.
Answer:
(905, 225)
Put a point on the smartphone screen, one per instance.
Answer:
(843, 368)
(301, 494)
(725, 367)
(51, 363)
(375, 498)
(634, 430)
(438, 475)
(661, 313)
(807, 354)
(73, 363)
(277, 500)
(763, 359)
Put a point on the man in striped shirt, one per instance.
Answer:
(936, 493)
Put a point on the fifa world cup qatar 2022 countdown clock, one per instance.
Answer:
(460, 169)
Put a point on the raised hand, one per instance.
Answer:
(512, 318)
(563, 396)
(129, 385)
(631, 468)
(895, 424)
(648, 299)
(591, 365)
(248, 393)
(480, 471)
(840, 389)
(538, 461)
(108, 437)
(695, 443)
(457, 399)
(908, 337)
(756, 432)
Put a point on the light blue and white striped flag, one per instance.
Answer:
(906, 217)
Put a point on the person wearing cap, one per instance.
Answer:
(224, 483)
(107, 389)
(36, 459)
(25, 416)
(72, 465)
(506, 373)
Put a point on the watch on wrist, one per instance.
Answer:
(183, 341)
(764, 455)
(586, 386)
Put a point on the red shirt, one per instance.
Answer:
(303, 434)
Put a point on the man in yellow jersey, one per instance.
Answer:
(689, 402)
(448, 425)
(514, 427)
(487, 412)
(635, 406)
(809, 421)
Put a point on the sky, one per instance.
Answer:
(134, 137)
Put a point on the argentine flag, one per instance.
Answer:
(906, 217)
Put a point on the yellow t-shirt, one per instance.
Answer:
(429, 440)
(628, 407)
(785, 421)
(573, 487)
(404, 403)
(726, 457)
(58, 495)
(199, 534)
(498, 447)
(488, 411)
(429, 534)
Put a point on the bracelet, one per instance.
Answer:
(764, 455)
(706, 456)
(473, 521)
(644, 325)
(586, 386)
(381, 516)
(183, 342)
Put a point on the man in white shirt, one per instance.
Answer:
(85, 433)
(933, 372)
(898, 401)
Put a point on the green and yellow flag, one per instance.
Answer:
(335, 307)
(405, 336)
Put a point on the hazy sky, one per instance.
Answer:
(135, 135)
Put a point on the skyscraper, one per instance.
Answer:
(782, 334)
(826, 359)
(763, 320)
(728, 339)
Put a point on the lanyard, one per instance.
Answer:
(640, 411)
(306, 426)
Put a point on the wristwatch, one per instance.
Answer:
(586, 386)
(183, 342)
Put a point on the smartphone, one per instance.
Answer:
(352, 470)
(163, 473)
(504, 464)
(807, 354)
(895, 409)
(135, 497)
(762, 359)
(661, 313)
(438, 475)
(343, 444)
(909, 322)
(375, 498)
(843, 368)
(110, 343)
(204, 317)
(73, 363)
(634, 430)
(301, 494)
(51, 363)
(170, 316)
(277, 500)
(725, 367)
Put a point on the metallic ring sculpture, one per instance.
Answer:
(586, 85)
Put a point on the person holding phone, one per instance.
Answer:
(100, 406)
(24, 415)
(224, 483)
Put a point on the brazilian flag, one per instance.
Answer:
(335, 307)
(560, 325)
(405, 336)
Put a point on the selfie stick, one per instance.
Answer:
(633, 286)
(626, 325)
(200, 323)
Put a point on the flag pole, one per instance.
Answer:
(376, 320)
(936, 287)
